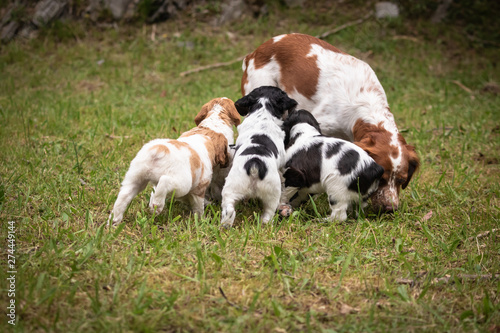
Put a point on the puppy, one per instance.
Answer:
(259, 153)
(317, 164)
(182, 166)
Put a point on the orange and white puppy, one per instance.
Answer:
(183, 166)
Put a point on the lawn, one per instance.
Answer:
(78, 102)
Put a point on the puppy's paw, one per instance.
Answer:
(322, 220)
(113, 221)
(338, 215)
(227, 219)
(266, 221)
(226, 225)
(285, 210)
(155, 208)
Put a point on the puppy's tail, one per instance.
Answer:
(256, 167)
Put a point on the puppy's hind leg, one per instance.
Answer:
(152, 197)
(166, 186)
(130, 188)
(197, 203)
(270, 207)
(270, 193)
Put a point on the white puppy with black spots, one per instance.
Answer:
(317, 164)
(260, 153)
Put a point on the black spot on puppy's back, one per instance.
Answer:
(348, 162)
(308, 162)
(263, 146)
(256, 150)
(333, 149)
(264, 140)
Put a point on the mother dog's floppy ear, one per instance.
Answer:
(413, 164)
(244, 104)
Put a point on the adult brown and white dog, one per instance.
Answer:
(184, 166)
(344, 95)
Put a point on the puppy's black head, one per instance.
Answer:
(277, 101)
(367, 176)
(299, 117)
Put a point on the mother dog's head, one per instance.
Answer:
(399, 160)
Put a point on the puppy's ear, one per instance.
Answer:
(283, 103)
(203, 113)
(222, 153)
(244, 104)
(234, 115)
(223, 159)
(375, 171)
(287, 127)
(365, 179)
(294, 178)
(289, 104)
(413, 164)
(311, 120)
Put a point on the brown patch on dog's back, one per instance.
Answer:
(244, 78)
(160, 149)
(298, 71)
(178, 144)
(195, 162)
(216, 145)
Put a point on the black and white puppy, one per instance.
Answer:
(260, 153)
(318, 164)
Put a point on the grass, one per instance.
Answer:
(75, 112)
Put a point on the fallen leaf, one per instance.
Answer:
(426, 216)
(346, 309)
(279, 330)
